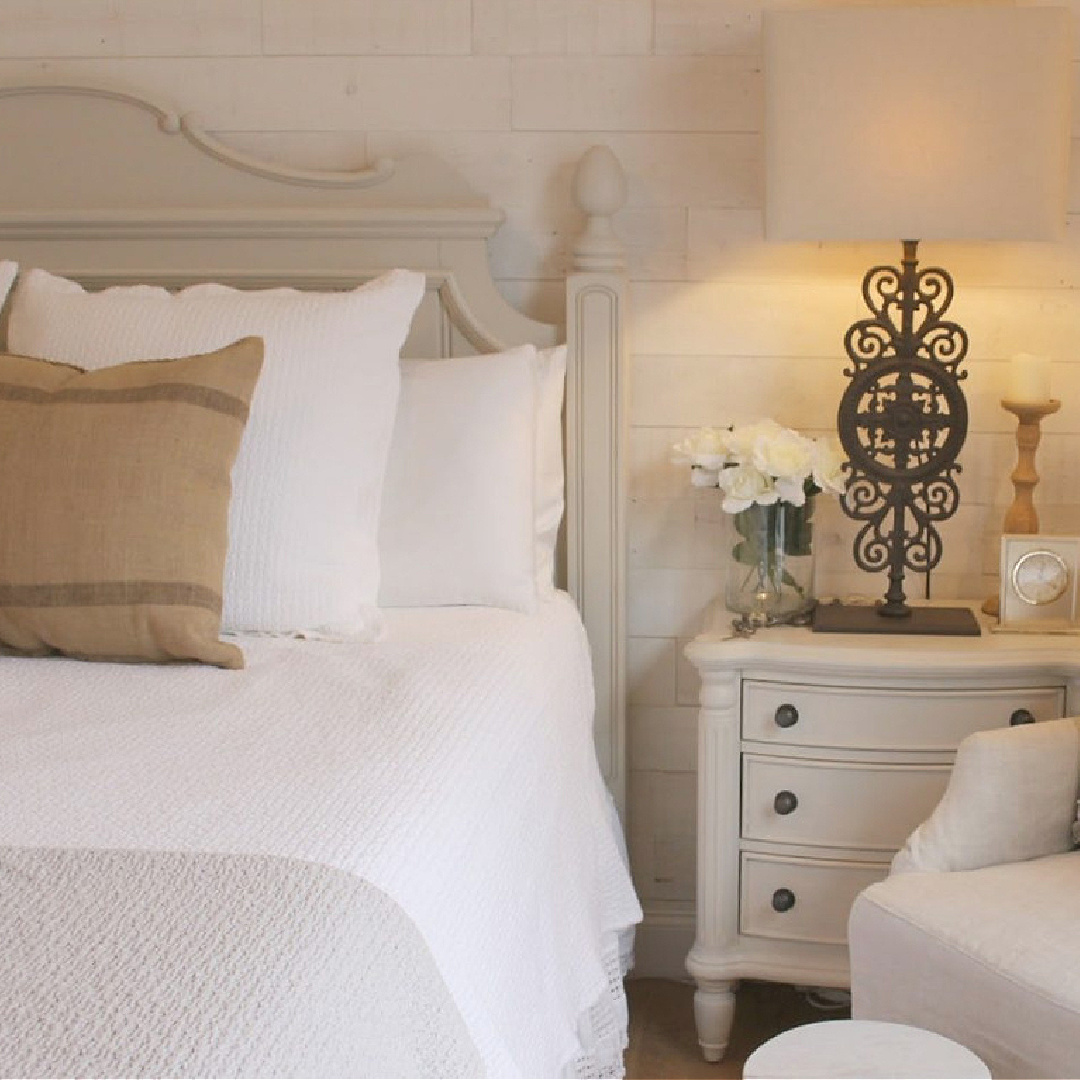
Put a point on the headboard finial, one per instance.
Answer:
(600, 190)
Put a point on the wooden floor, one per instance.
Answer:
(663, 1042)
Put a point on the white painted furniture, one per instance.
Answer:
(863, 1048)
(817, 756)
(114, 187)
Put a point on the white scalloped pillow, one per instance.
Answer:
(307, 486)
(459, 508)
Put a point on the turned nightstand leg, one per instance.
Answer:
(714, 1011)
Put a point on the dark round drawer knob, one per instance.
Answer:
(786, 716)
(1021, 716)
(783, 900)
(785, 802)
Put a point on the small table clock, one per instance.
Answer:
(1039, 584)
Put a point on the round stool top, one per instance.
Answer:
(834, 1049)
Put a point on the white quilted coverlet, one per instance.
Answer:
(450, 765)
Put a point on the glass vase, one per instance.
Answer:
(771, 570)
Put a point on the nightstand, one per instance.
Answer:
(817, 756)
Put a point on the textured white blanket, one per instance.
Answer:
(451, 766)
(185, 963)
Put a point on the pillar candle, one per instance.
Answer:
(1029, 379)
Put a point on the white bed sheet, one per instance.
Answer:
(451, 765)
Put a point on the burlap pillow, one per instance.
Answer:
(114, 502)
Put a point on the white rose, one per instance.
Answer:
(706, 448)
(743, 485)
(742, 440)
(784, 454)
(829, 467)
(791, 491)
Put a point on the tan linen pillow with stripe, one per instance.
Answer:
(114, 504)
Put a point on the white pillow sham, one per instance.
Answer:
(459, 508)
(307, 484)
(550, 464)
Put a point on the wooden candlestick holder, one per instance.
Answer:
(1021, 518)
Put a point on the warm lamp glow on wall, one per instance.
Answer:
(909, 124)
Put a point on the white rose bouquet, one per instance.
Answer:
(769, 475)
(762, 463)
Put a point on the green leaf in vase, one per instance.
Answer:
(747, 552)
(799, 531)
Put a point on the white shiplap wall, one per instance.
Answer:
(725, 327)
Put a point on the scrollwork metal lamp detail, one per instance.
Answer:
(902, 422)
(929, 138)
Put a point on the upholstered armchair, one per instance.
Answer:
(975, 934)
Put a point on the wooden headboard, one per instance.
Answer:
(106, 186)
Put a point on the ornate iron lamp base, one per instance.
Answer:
(867, 619)
(902, 422)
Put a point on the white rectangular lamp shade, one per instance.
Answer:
(917, 123)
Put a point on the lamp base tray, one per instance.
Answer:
(867, 619)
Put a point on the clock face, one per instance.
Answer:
(1040, 577)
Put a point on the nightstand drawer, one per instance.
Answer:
(801, 899)
(837, 804)
(885, 719)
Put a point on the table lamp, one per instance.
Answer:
(907, 124)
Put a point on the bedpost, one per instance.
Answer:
(596, 292)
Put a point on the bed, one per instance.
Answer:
(375, 832)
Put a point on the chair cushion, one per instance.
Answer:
(1011, 796)
(988, 957)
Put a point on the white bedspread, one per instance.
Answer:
(450, 765)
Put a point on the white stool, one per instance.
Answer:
(834, 1049)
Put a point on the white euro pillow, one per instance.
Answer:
(458, 511)
(307, 485)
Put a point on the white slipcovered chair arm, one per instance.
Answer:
(1012, 795)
